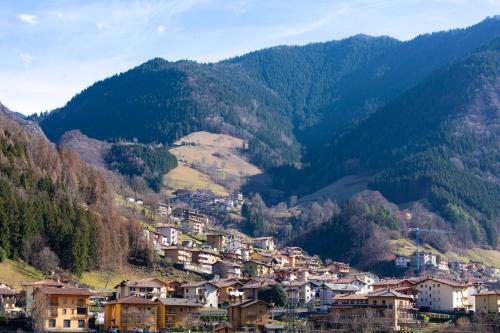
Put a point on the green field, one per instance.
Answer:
(16, 272)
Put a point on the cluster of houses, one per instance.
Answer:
(231, 303)
(209, 203)
(431, 262)
(226, 290)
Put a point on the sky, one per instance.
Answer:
(52, 49)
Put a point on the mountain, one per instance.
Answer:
(439, 141)
(53, 207)
(286, 100)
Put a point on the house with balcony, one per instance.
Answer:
(205, 292)
(178, 312)
(63, 309)
(444, 294)
(171, 234)
(265, 243)
(384, 307)
(33, 286)
(178, 255)
(230, 290)
(300, 292)
(150, 288)
(251, 313)
(255, 268)
(131, 313)
(327, 292)
(227, 269)
(205, 257)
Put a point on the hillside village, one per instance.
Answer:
(239, 283)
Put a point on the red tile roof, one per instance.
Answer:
(64, 291)
(132, 299)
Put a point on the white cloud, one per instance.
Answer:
(160, 29)
(28, 18)
(102, 26)
(27, 59)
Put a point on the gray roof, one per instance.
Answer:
(180, 302)
(388, 293)
(341, 287)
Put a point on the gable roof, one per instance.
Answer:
(448, 282)
(64, 291)
(180, 302)
(143, 283)
(340, 297)
(490, 292)
(132, 299)
(341, 286)
(392, 282)
(198, 284)
(388, 293)
(226, 283)
(248, 302)
(348, 281)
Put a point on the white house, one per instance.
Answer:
(266, 243)
(327, 292)
(171, 233)
(301, 292)
(363, 286)
(444, 294)
(204, 291)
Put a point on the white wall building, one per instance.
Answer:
(444, 294)
(171, 233)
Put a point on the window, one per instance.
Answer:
(65, 301)
(64, 311)
(52, 323)
(67, 323)
(374, 302)
(81, 324)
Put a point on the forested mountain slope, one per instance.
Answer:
(283, 99)
(53, 205)
(439, 141)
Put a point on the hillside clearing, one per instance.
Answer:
(184, 177)
(15, 273)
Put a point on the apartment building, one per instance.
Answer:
(131, 313)
(60, 309)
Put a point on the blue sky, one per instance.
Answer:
(52, 49)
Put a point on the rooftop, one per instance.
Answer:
(180, 302)
(64, 291)
(133, 300)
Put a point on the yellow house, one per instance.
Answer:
(61, 309)
(384, 307)
(178, 312)
(488, 301)
(258, 268)
(131, 312)
(249, 313)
